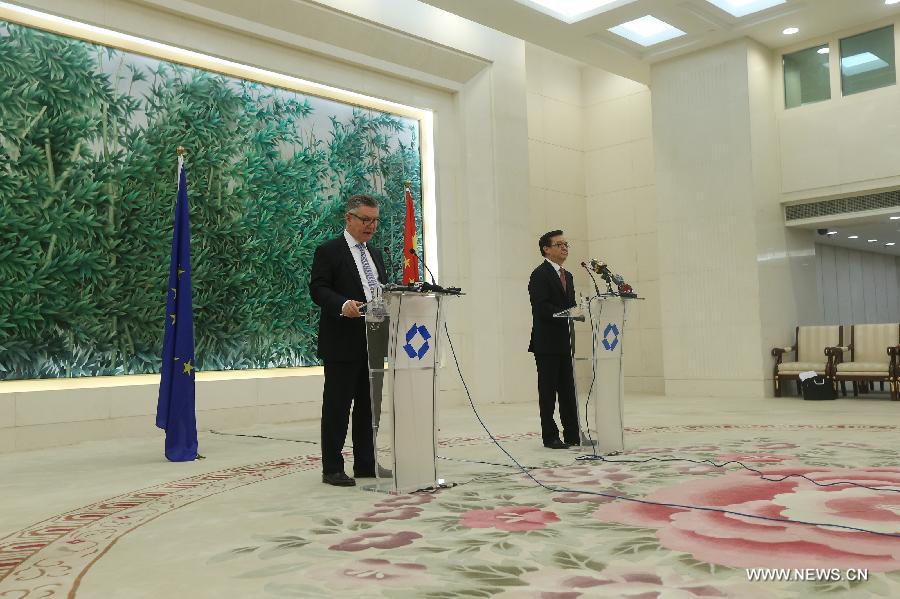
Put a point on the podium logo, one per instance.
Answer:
(613, 330)
(414, 331)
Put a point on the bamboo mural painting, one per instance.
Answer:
(87, 189)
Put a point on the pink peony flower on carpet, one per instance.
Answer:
(627, 580)
(775, 445)
(569, 476)
(621, 579)
(514, 518)
(555, 583)
(563, 474)
(377, 540)
(403, 512)
(744, 542)
(752, 458)
(412, 499)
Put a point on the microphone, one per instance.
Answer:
(413, 252)
(433, 286)
(625, 290)
(591, 274)
(601, 269)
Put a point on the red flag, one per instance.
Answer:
(410, 243)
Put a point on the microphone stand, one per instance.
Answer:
(433, 286)
(591, 274)
(413, 252)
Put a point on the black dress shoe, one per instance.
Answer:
(556, 444)
(338, 479)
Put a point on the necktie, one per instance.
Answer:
(367, 269)
(562, 278)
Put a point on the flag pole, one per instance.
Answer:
(176, 407)
(180, 152)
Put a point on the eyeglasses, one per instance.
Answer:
(562, 244)
(365, 220)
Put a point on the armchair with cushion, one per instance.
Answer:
(873, 357)
(809, 350)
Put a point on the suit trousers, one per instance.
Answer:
(346, 384)
(555, 378)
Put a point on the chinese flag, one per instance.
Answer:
(410, 243)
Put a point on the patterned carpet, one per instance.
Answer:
(271, 529)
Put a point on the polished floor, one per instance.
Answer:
(114, 519)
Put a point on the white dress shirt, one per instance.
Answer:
(555, 266)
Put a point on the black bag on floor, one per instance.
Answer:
(818, 387)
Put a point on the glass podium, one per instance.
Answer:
(597, 362)
(403, 337)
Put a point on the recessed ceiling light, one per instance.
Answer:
(891, 242)
(825, 50)
(647, 30)
(572, 11)
(871, 240)
(739, 8)
(831, 233)
(896, 217)
(790, 31)
(853, 237)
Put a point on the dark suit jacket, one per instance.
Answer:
(550, 335)
(333, 280)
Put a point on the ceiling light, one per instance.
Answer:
(891, 242)
(871, 240)
(647, 30)
(831, 233)
(572, 11)
(896, 217)
(790, 31)
(853, 237)
(739, 8)
(825, 50)
(861, 63)
(889, 2)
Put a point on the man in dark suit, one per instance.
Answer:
(345, 273)
(551, 290)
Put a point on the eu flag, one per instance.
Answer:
(175, 410)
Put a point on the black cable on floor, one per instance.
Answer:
(262, 437)
(762, 475)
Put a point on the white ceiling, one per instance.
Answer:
(705, 25)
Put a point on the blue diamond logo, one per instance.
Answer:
(613, 330)
(417, 331)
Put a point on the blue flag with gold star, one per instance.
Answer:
(175, 410)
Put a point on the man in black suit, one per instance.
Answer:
(345, 273)
(551, 290)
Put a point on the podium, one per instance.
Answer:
(599, 371)
(403, 339)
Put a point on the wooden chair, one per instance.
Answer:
(873, 357)
(809, 347)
